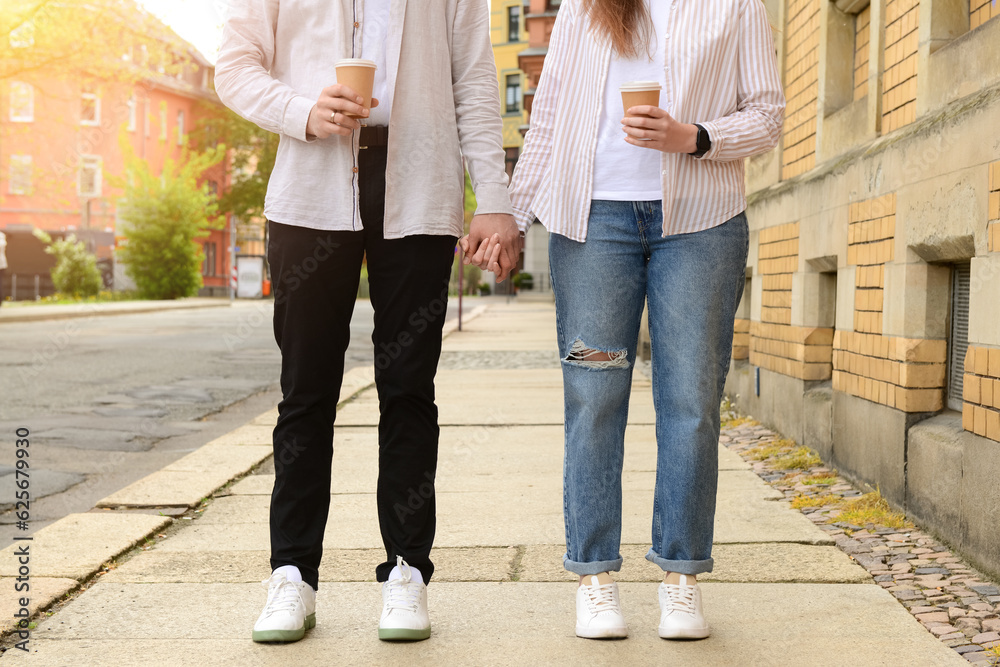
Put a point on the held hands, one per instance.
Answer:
(652, 127)
(494, 244)
(328, 116)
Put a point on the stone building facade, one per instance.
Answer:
(870, 327)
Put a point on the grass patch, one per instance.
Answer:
(994, 654)
(68, 300)
(801, 502)
(739, 421)
(820, 478)
(800, 458)
(871, 508)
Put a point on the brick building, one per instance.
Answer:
(870, 328)
(59, 149)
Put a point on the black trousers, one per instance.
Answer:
(316, 275)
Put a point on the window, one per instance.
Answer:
(20, 175)
(22, 102)
(553, 5)
(23, 36)
(958, 339)
(513, 93)
(132, 107)
(146, 121)
(208, 266)
(213, 187)
(514, 23)
(163, 121)
(180, 128)
(90, 176)
(90, 109)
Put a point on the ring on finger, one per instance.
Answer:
(333, 118)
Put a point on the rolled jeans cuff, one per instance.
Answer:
(681, 566)
(595, 567)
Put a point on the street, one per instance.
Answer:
(108, 400)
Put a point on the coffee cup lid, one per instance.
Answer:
(356, 62)
(638, 86)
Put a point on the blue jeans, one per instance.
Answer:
(693, 283)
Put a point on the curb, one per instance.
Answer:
(45, 313)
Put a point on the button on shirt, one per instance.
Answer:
(719, 71)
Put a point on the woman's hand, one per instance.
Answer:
(652, 127)
(329, 115)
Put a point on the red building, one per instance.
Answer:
(59, 148)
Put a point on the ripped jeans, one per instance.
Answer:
(693, 283)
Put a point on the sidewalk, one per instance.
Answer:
(781, 594)
(37, 313)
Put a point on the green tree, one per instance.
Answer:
(113, 40)
(253, 152)
(163, 216)
(75, 273)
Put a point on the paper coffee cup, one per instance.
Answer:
(639, 93)
(359, 76)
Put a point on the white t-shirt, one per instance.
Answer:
(375, 33)
(623, 172)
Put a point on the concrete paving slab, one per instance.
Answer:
(44, 592)
(339, 565)
(734, 563)
(76, 546)
(460, 394)
(475, 624)
(190, 479)
(248, 434)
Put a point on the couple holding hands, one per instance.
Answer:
(642, 206)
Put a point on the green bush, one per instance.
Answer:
(364, 291)
(75, 273)
(524, 281)
(164, 214)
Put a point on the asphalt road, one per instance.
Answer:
(108, 400)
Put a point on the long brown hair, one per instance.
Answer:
(626, 24)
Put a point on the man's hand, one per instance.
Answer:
(494, 243)
(652, 127)
(329, 115)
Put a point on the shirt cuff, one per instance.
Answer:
(524, 220)
(493, 198)
(296, 120)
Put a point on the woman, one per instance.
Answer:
(646, 207)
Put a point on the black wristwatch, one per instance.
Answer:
(704, 142)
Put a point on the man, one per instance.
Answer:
(390, 192)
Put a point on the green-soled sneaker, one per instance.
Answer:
(404, 606)
(289, 612)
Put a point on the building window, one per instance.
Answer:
(163, 121)
(90, 109)
(514, 23)
(22, 102)
(513, 93)
(180, 128)
(511, 159)
(90, 176)
(213, 188)
(958, 340)
(20, 175)
(132, 109)
(553, 5)
(208, 266)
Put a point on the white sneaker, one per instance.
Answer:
(599, 611)
(289, 612)
(404, 606)
(681, 616)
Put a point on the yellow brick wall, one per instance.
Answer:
(800, 352)
(801, 87)
(902, 373)
(981, 11)
(899, 99)
(862, 38)
(870, 244)
(981, 389)
(778, 259)
(993, 218)
(741, 339)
